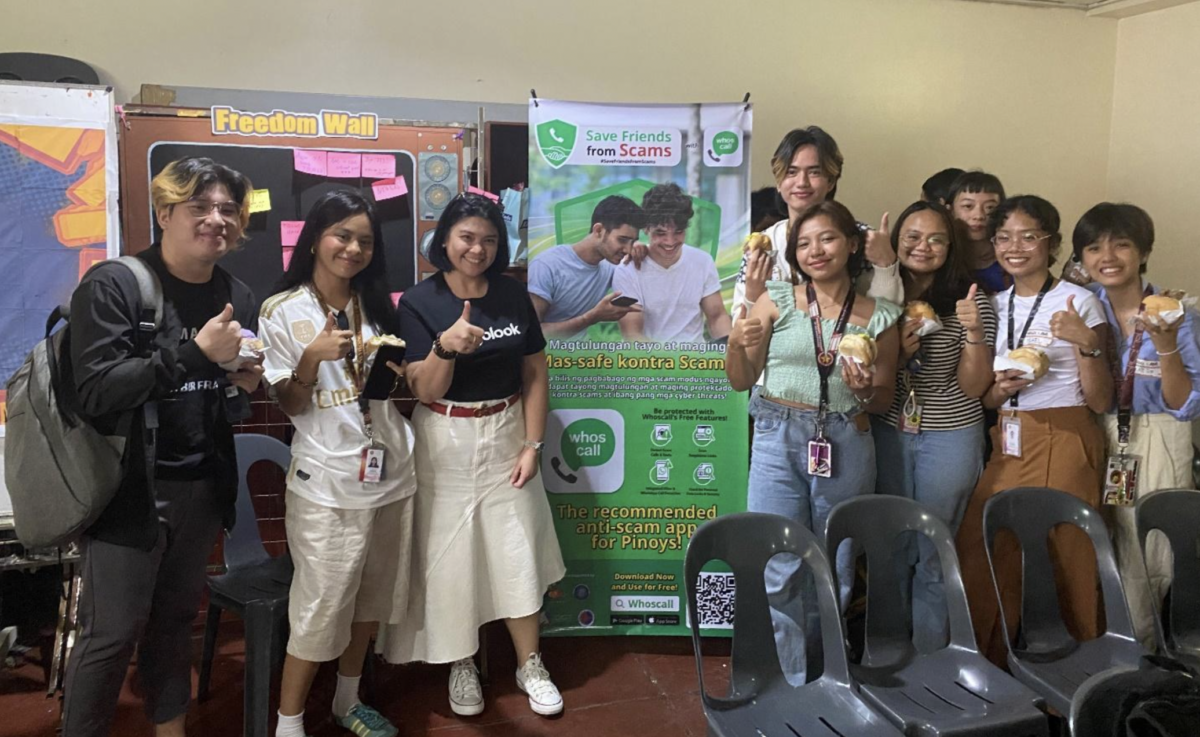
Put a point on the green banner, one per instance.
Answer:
(645, 440)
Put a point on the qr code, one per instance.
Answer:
(714, 600)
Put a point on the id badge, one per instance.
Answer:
(820, 458)
(1120, 480)
(1010, 436)
(910, 418)
(371, 469)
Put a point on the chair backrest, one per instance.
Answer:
(875, 521)
(1176, 512)
(746, 541)
(243, 544)
(1031, 513)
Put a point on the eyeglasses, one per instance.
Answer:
(1026, 241)
(937, 240)
(229, 211)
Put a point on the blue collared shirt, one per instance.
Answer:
(1147, 381)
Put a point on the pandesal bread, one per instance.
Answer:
(859, 346)
(375, 342)
(757, 242)
(1157, 304)
(919, 310)
(1033, 357)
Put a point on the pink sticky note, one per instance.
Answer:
(386, 189)
(344, 165)
(311, 162)
(289, 231)
(379, 166)
(489, 195)
(396, 298)
(287, 256)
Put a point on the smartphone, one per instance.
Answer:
(381, 379)
(624, 301)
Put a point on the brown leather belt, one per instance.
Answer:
(488, 411)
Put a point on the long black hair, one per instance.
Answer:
(371, 283)
(952, 280)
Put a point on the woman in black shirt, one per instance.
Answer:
(485, 546)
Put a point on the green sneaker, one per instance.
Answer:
(366, 722)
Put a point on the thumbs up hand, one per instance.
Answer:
(879, 249)
(463, 337)
(1068, 325)
(967, 310)
(330, 344)
(221, 337)
(747, 331)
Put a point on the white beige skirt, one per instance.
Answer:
(1164, 445)
(482, 549)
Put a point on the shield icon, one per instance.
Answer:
(556, 140)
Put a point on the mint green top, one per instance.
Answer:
(791, 370)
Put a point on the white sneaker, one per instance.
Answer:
(466, 695)
(534, 679)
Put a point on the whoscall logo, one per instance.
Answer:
(556, 141)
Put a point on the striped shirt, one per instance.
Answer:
(943, 404)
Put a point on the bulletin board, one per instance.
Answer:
(153, 137)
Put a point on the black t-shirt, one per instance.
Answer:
(186, 417)
(511, 332)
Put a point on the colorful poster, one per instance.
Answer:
(645, 440)
(58, 204)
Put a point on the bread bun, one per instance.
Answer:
(375, 342)
(1156, 304)
(757, 242)
(919, 311)
(1033, 357)
(860, 347)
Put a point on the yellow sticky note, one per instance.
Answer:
(260, 200)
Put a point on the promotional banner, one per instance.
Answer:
(636, 218)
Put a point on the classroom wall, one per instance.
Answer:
(907, 88)
(1154, 157)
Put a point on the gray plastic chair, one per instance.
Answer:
(1176, 512)
(1048, 659)
(761, 701)
(953, 690)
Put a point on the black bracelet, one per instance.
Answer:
(440, 351)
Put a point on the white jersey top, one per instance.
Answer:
(329, 442)
(1060, 386)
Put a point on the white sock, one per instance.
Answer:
(346, 697)
(290, 726)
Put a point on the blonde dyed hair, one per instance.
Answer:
(182, 180)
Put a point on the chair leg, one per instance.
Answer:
(257, 695)
(212, 622)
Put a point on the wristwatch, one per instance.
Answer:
(1092, 354)
(537, 445)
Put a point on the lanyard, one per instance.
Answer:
(825, 355)
(1012, 298)
(1124, 385)
(356, 361)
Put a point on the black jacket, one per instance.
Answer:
(112, 379)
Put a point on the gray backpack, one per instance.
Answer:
(61, 471)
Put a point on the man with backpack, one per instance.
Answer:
(144, 558)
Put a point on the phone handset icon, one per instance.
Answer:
(567, 476)
(557, 138)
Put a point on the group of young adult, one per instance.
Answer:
(372, 557)
(1118, 384)
(418, 532)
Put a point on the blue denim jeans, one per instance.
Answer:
(780, 484)
(937, 469)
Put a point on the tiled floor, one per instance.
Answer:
(611, 686)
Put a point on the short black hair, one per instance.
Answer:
(465, 206)
(617, 210)
(1035, 207)
(763, 205)
(1114, 220)
(936, 188)
(975, 182)
(667, 203)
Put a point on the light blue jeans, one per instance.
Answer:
(780, 484)
(937, 469)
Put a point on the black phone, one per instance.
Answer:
(624, 301)
(381, 379)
